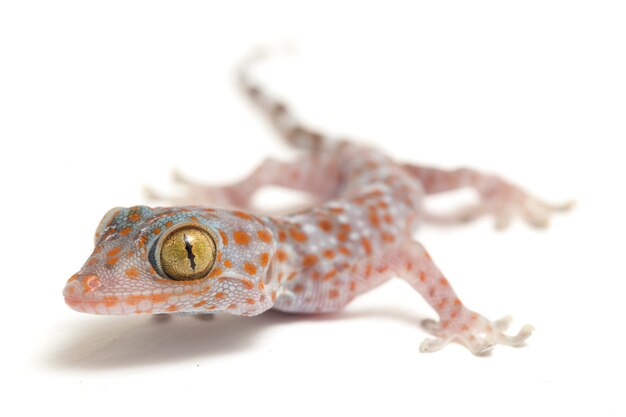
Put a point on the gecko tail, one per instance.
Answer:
(277, 112)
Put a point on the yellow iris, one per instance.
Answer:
(187, 253)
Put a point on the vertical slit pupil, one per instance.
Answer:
(190, 255)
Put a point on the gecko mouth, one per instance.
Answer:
(121, 304)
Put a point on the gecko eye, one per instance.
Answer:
(186, 253)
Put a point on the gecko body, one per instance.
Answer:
(226, 258)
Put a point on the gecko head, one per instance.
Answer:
(166, 260)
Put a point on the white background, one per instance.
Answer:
(98, 99)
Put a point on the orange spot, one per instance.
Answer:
(367, 246)
(142, 241)
(112, 261)
(388, 218)
(422, 276)
(232, 306)
(457, 302)
(73, 278)
(125, 231)
(134, 217)
(298, 235)
(298, 288)
(172, 308)
(282, 236)
(281, 255)
(217, 271)
(345, 227)
(409, 265)
(92, 262)
(388, 237)
(368, 270)
(243, 215)
(224, 237)
(219, 295)
(329, 254)
(241, 238)
(132, 272)
(261, 285)
(199, 304)
(342, 237)
(309, 260)
(352, 285)
(113, 252)
(155, 298)
(201, 291)
(264, 236)
(211, 307)
(193, 218)
(465, 327)
(374, 219)
(249, 268)
(228, 264)
(345, 251)
(250, 301)
(247, 283)
(333, 293)
(292, 276)
(111, 300)
(273, 295)
(444, 282)
(264, 259)
(336, 210)
(325, 225)
(442, 304)
(156, 231)
(330, 275)
(169, 224)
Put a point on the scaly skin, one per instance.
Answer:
(359, 236)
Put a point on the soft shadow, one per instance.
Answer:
(125, 342)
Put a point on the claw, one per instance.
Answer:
(503, 323)
(433, 345)
(518, 339)
(179, 178)
(431, 326)
(151, 194)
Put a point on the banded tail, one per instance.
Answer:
(281, 117)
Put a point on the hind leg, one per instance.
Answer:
(456, 322)
(498, 197)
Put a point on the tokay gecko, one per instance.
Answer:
(213, 253)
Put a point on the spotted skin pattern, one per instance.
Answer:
(317, 260)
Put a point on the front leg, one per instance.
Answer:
(316, 174)
(498, 197)
(456, 322)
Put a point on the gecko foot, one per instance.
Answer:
(474, 331)
(504, 201)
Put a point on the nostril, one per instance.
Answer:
(91, 282)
